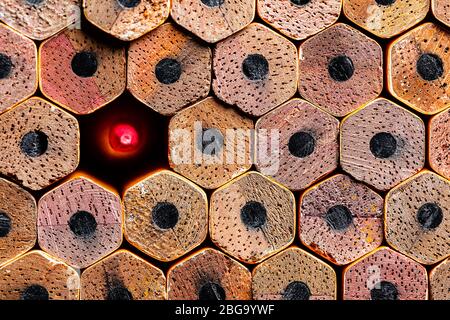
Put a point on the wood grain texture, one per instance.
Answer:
(340, 97)
(386, 21)
(42, 20)
(191, 225)
(81, 95)
(62, 154)
(38, 268)
(123, 269)
(186, 278)
(228, 230)
(225, 158)
(297, 172)
(255, 97)
(19, 207)
(168, 42)
(55, 209)
(382, 116)
(271, 278)
(214, 23)
(405, 83)
(22, 81)
(384, 264)
(362, 235)
(299, 21)
(441, 10)
(403, 229)
(440, 281)
(439, 143)
(126, 23)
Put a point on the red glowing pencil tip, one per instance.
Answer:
(123, 137)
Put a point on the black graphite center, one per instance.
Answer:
(85, 64)
(255, 67)
(5, 66)
(253, 214)
(384, 2)
(34, 2)
(168, 71)
(83, 224)
(430, 215)
(339, 217)
(296, 290)
(34, 143)
(300, 2)
(210, 142)
(211, 291)
(430, 66)
(383, 145)
(34, 292)
(301, 144)
(5, 224)
(384, 290)
(165, 215)
(119, 293)
(129, 3)
(341, 68)
(213, 3)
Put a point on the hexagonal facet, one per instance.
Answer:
(252, 217)
(210, 143)
(293, 274)
(438, 143)
(177, 69)
(439, 284)
(385, 275)
(255, 69)
(418, 217)
(212, 20)
(209, 275)
(39, 144)
(296, 144)
(81, 73)
(38, 276)
(123, 276)
(441, 10)
(80, 221)
(17, 221)
(418, 68)
(386, 18)
(166, 215)
(382, 144)
(18, 68)
(340, 69)
(299, 19)
(124, 19)
(39, 19)
(341, 219)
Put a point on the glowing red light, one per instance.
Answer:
(123, 138)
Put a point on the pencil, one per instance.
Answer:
(341, 219)
(439, 281)
(438, 143)
(123, 276)
(17, 221)
(382, 144)
(417, 222)
(340, 69)
(80, 221)
(293, 274)
(441, 11)
(255, 69)
(252, 217)
(209, 275)
(39, 143)
(385, 275)
(176, 72)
